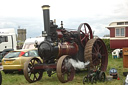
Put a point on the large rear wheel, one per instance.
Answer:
(96, 52)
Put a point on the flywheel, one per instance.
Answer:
(96, 52)
(84, 33)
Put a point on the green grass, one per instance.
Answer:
(18, 79)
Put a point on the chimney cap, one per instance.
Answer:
(45, 7)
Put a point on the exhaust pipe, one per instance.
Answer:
(46, 19)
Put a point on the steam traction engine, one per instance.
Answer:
(60, 46)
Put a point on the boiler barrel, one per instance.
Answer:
(48, 51)
(67, 49)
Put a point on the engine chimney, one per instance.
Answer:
(46, 19)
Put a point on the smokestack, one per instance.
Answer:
(46, 19)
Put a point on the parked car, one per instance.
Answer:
(15, 60)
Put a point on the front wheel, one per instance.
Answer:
(31, 74)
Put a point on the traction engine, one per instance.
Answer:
(61, 45)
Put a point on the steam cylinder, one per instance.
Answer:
(67, 49)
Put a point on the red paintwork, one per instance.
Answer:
(112, 32)
(59, 33)
(118, 43)
(67, 49)
(45, 66)
(126, 31)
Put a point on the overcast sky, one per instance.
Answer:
(29, 15)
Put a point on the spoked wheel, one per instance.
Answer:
(96, 52)
(84, 33)
(65, 70)
(31, 74)
(102, 76)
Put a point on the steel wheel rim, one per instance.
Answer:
(64, 74)
(85, 35)
(30, 73)
(96, 53)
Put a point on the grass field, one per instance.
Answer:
(18, 79)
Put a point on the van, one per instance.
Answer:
(7, 41)
(30, 42)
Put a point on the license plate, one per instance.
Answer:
(1, 68)
(8, 62)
